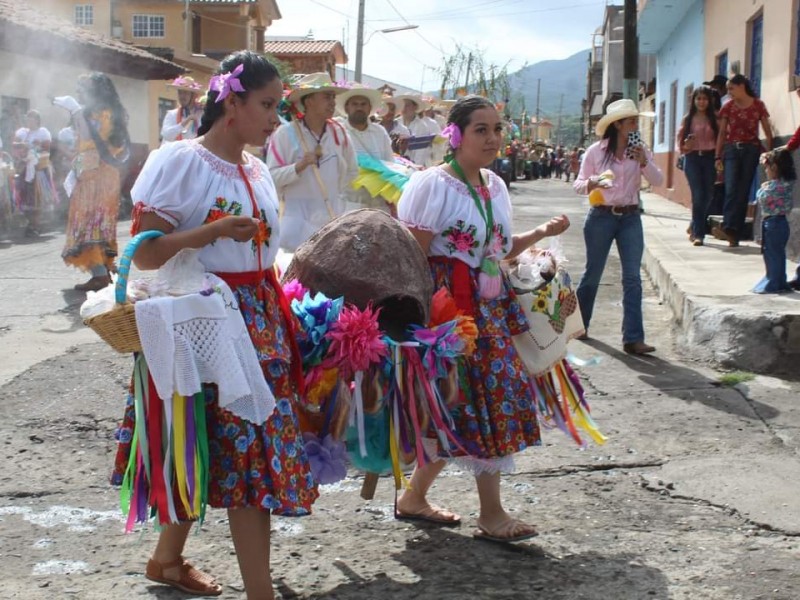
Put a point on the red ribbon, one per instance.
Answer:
(158, 487)
(461, 284)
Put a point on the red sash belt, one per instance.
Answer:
(251, 278)
(462, 285)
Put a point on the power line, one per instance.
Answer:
(460, 14)
(462, 10)
(439, 50)
(338, 12)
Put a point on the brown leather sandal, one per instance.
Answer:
(190, 580)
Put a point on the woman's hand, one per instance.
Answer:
(240, 229)
(638, 153)
(555, 226)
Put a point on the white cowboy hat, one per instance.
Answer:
(186, 83)
(422, 103)
(375, 97)
(616, 111)
(311, 84)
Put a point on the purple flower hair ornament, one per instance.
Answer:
(453, 133)
(225, 83)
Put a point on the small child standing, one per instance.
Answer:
(775, 199)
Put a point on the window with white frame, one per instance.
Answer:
(84, 14)
(148, 26)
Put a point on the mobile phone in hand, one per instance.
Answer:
(634, 141)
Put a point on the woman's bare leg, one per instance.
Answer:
(493, 517)
(250, 533)
(414, 502)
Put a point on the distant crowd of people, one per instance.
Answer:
(536, 160)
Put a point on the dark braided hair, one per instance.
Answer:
(461, 114)
(99, 94)
(257, 73)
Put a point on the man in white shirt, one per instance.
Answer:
(398, 132)
(423, 131)
(182, 123)
(369, 139)
(312, 161)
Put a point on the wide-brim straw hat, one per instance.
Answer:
(375, 97)
(616, 111)
(186, 83)
(422, 103)
(311, 84)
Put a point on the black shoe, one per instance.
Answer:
(31, 232)
(795, 284)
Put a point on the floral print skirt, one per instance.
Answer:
(251, 465)
(498, 417)
(92, 220)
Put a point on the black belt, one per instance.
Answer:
(740, 145)
(626, 209)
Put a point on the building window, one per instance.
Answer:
(662, 118)
(722, 64)
(148, 26)
(84, 14)
(756, 51)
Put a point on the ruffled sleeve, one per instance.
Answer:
(160, 185)
(420, 205)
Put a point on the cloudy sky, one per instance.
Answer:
(506, 31)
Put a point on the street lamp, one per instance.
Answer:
(360, 43)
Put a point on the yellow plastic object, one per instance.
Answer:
(596, 197)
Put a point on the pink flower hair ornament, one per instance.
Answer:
(453, 133)
(225, 83)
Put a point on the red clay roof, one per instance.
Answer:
(308, 47)
(25, 30)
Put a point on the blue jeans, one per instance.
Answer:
(774, 236)
(740, 168)
(700, 174)
(600, 229)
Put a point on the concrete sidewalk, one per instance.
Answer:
(708, 287)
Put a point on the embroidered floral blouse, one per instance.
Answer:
(775, 197)
(435, 201)
(187, 186)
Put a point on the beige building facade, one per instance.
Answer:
(215, 28)
(731, 36)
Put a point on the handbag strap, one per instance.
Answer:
(487, 215)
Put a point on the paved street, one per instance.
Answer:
(695, 495)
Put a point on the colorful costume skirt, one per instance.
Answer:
(38, 195)
(249, 465)
(92, 220)
(497, 415)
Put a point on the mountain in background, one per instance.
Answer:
(566, 76)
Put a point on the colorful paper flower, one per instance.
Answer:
(356, 341)
(316, 315)
(294, 290)
(453, 133)
(328, 458)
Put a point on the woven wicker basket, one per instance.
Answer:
(117, 327)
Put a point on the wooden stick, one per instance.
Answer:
(369, 485)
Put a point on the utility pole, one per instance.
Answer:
(538, 117)
(359, 40)
(630, 66)
(558, 127)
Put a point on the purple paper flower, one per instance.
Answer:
(328, 458)
(225, 83)
(453, 133)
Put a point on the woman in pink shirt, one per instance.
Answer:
(697, 141)
(618, 218)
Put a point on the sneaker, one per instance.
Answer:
(697, 242)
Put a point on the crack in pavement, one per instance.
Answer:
(572, 469)
(726, 508)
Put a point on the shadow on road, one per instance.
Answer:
(674, 380)
(450, 566)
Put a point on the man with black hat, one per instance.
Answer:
(720, 85)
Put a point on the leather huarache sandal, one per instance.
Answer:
(508, 532)
(189, 580)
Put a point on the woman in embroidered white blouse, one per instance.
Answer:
(209, 194)
(460, 213)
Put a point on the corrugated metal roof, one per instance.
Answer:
(63, 42)
(300, 46)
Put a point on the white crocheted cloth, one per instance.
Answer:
(194, 339)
